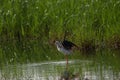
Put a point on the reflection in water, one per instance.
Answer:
(66, 75)
(81, 70)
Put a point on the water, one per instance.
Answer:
(55, 70)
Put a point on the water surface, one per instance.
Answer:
(54, 70)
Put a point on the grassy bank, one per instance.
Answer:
(51, 18)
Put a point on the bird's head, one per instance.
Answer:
(58, 43)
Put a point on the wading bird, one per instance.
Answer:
(66, 47)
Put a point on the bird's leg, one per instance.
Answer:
(66, 62)
(67, 59)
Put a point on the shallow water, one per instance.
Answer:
(55, 70)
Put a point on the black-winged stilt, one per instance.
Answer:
(66, 47)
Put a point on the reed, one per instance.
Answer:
(41, 18)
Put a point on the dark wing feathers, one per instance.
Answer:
(67, 44)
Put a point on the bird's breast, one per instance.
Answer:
(64, 51)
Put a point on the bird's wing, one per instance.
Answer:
(68, 45)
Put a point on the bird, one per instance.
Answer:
(66, 47)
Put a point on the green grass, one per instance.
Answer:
(51, 18)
